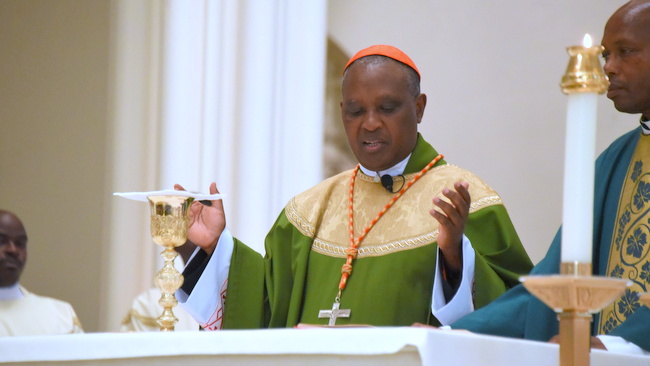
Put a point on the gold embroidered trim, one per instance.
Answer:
(145, 320)
(297, 220)
(484, 202)
(77, 324)
(335, 250)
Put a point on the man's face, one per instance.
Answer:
(627, 62)
(380, 115)
(13, 249)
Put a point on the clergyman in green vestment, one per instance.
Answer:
(403, 238)
(621, 210)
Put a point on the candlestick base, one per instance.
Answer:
(575, 298)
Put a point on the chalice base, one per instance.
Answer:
(167, 321)
(575, 298)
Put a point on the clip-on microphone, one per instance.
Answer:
(387, 182)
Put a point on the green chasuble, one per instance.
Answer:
(529, 318)
(392, 278)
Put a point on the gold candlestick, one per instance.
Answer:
(576, 294)
(169, 224)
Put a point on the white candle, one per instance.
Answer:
(578, 203)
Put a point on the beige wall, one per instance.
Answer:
(53, 115)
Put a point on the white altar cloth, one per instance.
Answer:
(317, 346)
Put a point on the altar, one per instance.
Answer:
(318, 346)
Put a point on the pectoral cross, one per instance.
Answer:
(334, 313)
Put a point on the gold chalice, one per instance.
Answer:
(169, 224)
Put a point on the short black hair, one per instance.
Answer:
(412, 77)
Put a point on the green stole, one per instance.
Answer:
(392, 279)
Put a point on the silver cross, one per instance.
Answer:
(334, 313)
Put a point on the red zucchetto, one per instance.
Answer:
(384, 50)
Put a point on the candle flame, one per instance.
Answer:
(587, 42)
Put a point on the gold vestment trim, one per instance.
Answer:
(145, 320)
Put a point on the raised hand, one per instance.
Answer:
(452, 217)
(206, 222)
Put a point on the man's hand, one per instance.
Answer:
(452, 218)
(206, 222)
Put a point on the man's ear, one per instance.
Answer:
(420, 104)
